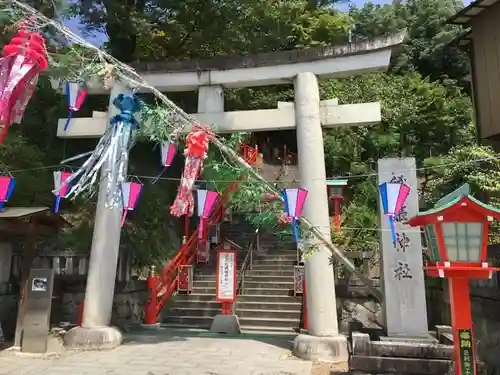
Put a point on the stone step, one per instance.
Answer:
(267, 298)
(287, 332)
(274, 255)
(276, 306)
(271, 314)
(272, 278)
(186, 303)
(201, 310)
(272, 262)
(270, 322)
(272, 267)
(270, 272)
(193, 297)
(188, 321)
(266, 291)
(286, 285)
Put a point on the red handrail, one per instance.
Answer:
(250, 153)
(166, 283)
(162, 286)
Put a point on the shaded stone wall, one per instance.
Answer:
(128, 305)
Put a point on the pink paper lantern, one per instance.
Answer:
(7, 186)
(206, 204)
(130, 195)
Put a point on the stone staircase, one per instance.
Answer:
(265, 303)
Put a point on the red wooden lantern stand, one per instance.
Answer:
(456, 230)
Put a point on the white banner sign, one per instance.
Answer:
(226, 276)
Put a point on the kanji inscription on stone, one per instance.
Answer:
(402, 271)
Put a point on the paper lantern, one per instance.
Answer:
(294, 200)
(130, 195)
(76, 94)
(61, 186)
(393, 197)
(168, 151)
(7, 185)
(206, 204)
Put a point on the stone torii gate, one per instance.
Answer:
(308, 115)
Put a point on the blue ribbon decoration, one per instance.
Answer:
(114, 144)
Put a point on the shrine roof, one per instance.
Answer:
(274, 58)
(464, 16)
(42, 216)
(455, 198)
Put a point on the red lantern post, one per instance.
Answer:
(456, 230)
(151, 304)
(336, 195)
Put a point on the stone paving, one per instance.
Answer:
(167, 352)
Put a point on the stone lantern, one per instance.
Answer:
(456, 230)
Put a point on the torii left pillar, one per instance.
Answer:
(95, 331)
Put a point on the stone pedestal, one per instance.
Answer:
(323, 341)
(93, 338)
(95, 333)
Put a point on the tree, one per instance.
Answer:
(427, 49)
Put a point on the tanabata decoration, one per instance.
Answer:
(60, 178)
(7, 186)
(130, 195)
(206, 205)
(196, 151)
(294, 200)
(114, 145)
(168, 152)
(76, 94)
(393, 197)
(23, 59)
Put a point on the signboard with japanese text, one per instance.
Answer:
(402, 264)
(466, 347)
(226, 276)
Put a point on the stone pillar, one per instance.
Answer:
(95, 332)
(323, 341)
(211, 99)
(405, 307)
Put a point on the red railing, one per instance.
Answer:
(249, 153)
(163, 285)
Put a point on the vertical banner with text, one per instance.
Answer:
(226, 277)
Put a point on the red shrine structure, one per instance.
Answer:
(456, 230)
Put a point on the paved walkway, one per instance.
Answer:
(167, 352)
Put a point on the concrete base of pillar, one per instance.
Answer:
(151, 326)
(326, 349)
(228, 324)
(93, 338)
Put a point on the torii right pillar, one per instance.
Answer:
(323, 341)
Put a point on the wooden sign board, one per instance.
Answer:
(226, 276)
